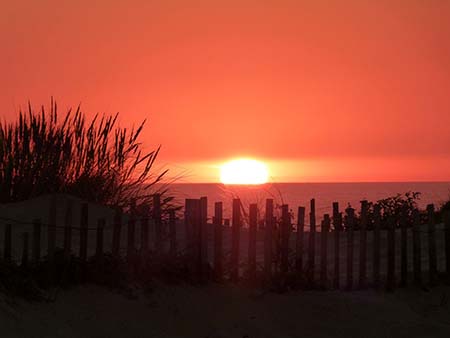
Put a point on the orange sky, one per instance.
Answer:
(321, 90)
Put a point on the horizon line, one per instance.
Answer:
(315, 182)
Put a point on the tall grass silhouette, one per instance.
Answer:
(98, 160)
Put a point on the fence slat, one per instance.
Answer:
(196, 233)
(7, 245)
(99, 248)
(218, 241)
(51, 230)
(417, 249)
(268, 231)
(447, 243)
(68, 230)
(299, 247)
(363, 245)
(131, 237)
(157, 222)
(350, 241)
(188, 225)
(404, 248)
(236, 227)
(25, 249)
(376, 245)
(253, 214)
(117, 230)
(432, 258)
(390, 282)
(144, 235)
(36, 240)
(172, 233)
(203, 234)
(192, 220)
(312, 241)
(337, 223)
(285, 229)
(84, 232)
(324, 251)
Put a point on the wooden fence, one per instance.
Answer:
(256, 244)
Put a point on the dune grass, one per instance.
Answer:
(98, 160)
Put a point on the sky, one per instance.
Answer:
(322, 91)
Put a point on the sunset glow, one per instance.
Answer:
(321, 90)
(244, 171)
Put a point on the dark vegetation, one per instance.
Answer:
(396, 207)
(97, 161)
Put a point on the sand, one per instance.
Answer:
(224, 311)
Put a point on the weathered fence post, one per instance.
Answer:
(268, 240)
(324, 251)
(432, 258)
(83, 232)
(188, 225)
(404, 248)
(253, 213)
(36, 240)
(300, 242)
(25, 250)
(68, 230)
(285, 229)
(363, 245)
(218, 242)
(337, 223)
(195, 213)
(390, 283)
(131, 235)
(312, 242)
(51, 231)
(172, 233)
(447, 243)
(417, 250)
(192, 220)
(99, 248)
(376, 245)
(203, 234)
(350, 225)
(235, 231)
(144, 234)
(7, 243)
(157, 222)
(117, 229)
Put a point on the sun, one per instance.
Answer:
(244, 171)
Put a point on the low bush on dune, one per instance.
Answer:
(395, 207)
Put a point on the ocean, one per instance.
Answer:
(299, 194)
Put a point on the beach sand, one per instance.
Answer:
(224, 311)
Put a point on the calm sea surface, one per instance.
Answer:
(299, 194)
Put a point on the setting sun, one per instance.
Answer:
(244, 171)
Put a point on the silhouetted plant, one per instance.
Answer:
(97, 161)
(394, 206)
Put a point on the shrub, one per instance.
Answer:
(394, 206)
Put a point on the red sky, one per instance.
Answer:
(321, 90)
